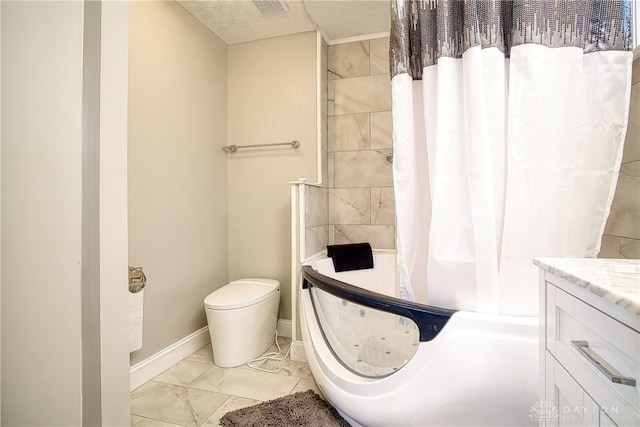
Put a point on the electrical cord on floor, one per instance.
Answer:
(259, 361)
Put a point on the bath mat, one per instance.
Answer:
(302, 409)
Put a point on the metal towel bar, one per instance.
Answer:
(234, 148)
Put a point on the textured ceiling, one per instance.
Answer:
(238, 21)
(349, 18)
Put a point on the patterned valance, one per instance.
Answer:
(424, 30)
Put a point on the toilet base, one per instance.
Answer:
(238, 336)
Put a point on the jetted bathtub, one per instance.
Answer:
(383, 361)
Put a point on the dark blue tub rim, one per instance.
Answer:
(429, 319)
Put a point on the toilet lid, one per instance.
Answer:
(241, 293)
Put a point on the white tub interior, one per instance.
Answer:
(381, 278)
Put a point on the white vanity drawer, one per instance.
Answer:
(581, 337)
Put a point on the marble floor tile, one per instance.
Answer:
(245, 383)
(148, 422)
(286, 367)
(204, 403)
(272, 352)
(229, 405)
(204, 355)
(307, 384)
(175, 404)
(134, 419)
(283, 343)
(295, 369)
(281, 348)
(195, 392)
(182, 373)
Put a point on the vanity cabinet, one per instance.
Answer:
(589, 343)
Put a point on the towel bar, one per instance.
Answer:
(234, 148)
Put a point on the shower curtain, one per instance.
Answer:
(509, 119)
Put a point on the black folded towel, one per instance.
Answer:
(351, 256)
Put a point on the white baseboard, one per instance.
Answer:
(144, 371)
(284, 328)
(149, 368)
(297, 351)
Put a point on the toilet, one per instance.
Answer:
(242, 318)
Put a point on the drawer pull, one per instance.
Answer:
(609, 371)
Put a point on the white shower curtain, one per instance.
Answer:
(508, 124)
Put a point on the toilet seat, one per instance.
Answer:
(241, 293)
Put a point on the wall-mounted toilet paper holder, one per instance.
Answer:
(137, 279)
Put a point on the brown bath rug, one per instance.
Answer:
(303, 409)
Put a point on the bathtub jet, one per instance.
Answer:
(383, 361)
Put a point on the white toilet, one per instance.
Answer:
(242, 318)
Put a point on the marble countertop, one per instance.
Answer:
(615, 280)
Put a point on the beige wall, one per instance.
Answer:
(0, 218)
(361, 200)
(621, 237)
(272, 98)
(41, 181)
(47, 132)
(177, 169)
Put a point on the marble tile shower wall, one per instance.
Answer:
(621, 237)
(361, 204)
(316, 202)
(324, 103)
(316, 220)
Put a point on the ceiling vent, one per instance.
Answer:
(271, 7)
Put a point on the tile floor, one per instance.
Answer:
(195, 392)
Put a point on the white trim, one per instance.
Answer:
(320, 75)
(149, 368)
(295, 251)
(1, 209)
(284, 328)
(359, 38)
(146, 370)
(324, 35)
(297, 351)
(302, 224)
